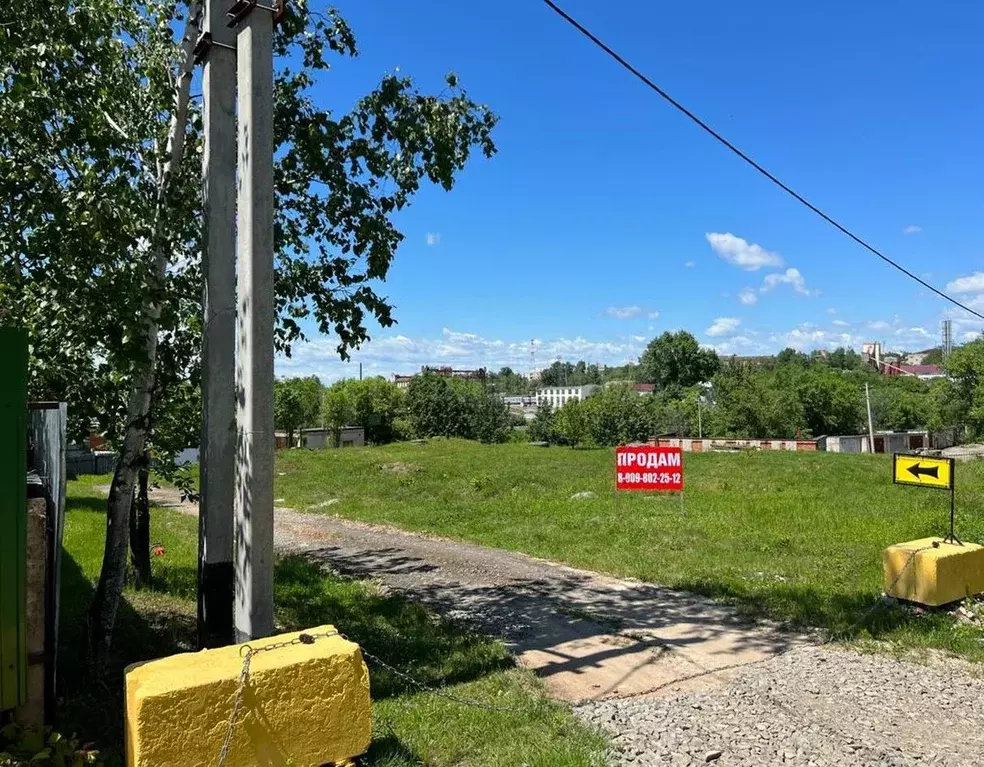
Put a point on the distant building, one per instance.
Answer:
(925, 372)
(871, 353)
(558, 396)
(639, 388)
(919, 358)
(349, 436)
(516, 400)
(479, 374)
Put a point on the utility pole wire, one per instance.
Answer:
(721, 139)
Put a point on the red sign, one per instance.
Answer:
(646, 467)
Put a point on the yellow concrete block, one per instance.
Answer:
(305, 705)
(937, 575)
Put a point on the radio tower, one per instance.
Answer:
(532, 358)
(947, 338)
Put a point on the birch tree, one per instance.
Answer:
(100, 211)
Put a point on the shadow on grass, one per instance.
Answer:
(842, 616)
(388, 750)
(91, 705)
(401, 633)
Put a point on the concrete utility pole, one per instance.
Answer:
(255, 322)
(218, 446)
(871, 427)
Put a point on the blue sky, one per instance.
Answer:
(607, 217)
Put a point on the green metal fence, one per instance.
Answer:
(13, 517)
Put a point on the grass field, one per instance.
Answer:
(409, 728)
(791, 536)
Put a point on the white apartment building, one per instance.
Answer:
(558, 396)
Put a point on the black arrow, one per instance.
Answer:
(918, 470)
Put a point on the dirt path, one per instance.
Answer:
(672, 678)
(588, 636)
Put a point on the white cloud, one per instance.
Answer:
(790, 277)
(879, 326)
(805, 338)
(831, 311)
(623, 312)
(690, 264)
(723, 326)
(653, 315)
(841, 324)
(741, 253)
(744, 344)
(433, 238)
(748, 296)
(388, 354)
(912, 229)
(914, 332)
(972, 283)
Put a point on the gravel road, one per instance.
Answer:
(811, 707)
(673, 678)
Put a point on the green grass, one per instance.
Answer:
(409, 727)
(791, 536)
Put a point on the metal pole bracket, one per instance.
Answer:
(243, 8)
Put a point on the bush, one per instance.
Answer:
(572, 426)
(438, 406)
(615, 416)
(489, 417)
(375, 404)
(542, 428)
(23, 746)
(403, 429)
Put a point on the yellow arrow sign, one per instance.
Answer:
(925, 472)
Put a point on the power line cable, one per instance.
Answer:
(708, 129)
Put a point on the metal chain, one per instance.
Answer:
(435, 690)
(248, 652)
(878, 602)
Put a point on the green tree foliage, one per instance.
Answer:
(100, 207)
(542, 427)
(296, 404)
(831, 404)
(628, 372)
(966, 368)
(375, 404)
(288, 409)
(613, 416)
(508, 382)
(438, 406)
(562, 373)
(617, 415)
(338, 408)
(675, 360)
(790, 356)
(753, 403)
(309, 390)
(900, 403)
(842, 359)
(572, 425)
(488, 415)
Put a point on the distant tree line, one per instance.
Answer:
(783, 397)
(790, 395)
(433, 405)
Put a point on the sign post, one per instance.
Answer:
(647, 467)
(934, 473)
